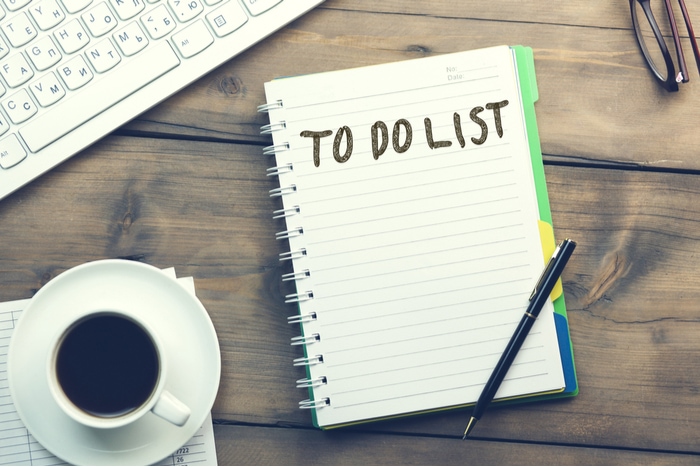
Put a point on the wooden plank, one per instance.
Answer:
(595, 90)
(596, 13)
(200, 207)
(238, 445)
(633, 315)
(203, 208)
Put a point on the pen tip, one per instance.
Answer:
(470, 426)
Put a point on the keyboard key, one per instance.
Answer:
(19, 30)
(99, 19)
(158, 22)
(227, 18)
(47, 90)
(193, 39)
(257, 7)
(127, 9)
(103, 56)
(11, 152)
(75, 73)
(19, 106)
(67, 64)
(186, 10)
(16, 70)
(131, 39)
(4, 125)
(71, 37)
(14, 5)
(74, 6)
(47, 14)
(43, 53)
(4, 48)
(104, 93)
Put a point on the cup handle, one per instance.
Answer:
(170, 408)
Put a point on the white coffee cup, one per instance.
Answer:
(107, 369)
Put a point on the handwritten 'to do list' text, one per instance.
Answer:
(379, 132)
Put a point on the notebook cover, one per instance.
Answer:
(529, 95)
(528, 84)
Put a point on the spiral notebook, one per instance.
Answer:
(413, 201)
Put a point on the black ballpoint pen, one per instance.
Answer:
(538, 298)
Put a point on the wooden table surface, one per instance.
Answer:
(184, 185)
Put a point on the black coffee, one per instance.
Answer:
(107, 365)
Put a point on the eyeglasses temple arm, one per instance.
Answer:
(693, 42)
(683, 75)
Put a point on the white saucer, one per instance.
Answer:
(184, 328)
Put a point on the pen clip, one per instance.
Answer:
(544, 272)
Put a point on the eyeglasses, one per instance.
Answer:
(657, 54)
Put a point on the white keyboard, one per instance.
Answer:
(72, 71)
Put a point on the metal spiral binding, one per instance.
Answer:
(275, 148)
(306, 340)
(270, 106)
(305, 318)
(283, 190)
(289, 233)
(312, 382)
(308, 361)
(289, 212)
(293, 254)
(272, 127)
(309, 404)
(282, 169)
(285, 213)
(299, 297)
(296, 276)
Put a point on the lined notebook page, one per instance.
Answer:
(420, 259)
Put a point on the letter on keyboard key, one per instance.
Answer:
(257, 7)
(130, 39)
(185, 10)
(227, 18)
(127, 9)
(47, 14)
(71, 36)
(43, 53)
(99, 19)
(102, 56)
(14, 5)
(4, 126)
(19, 30)
(4, 48)
(99, 96)
(193, 39)
(16, 70)
(19, 106)
(158, 22)
(47, 90)
(74, 6)
(75, 73)
(11, 151)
